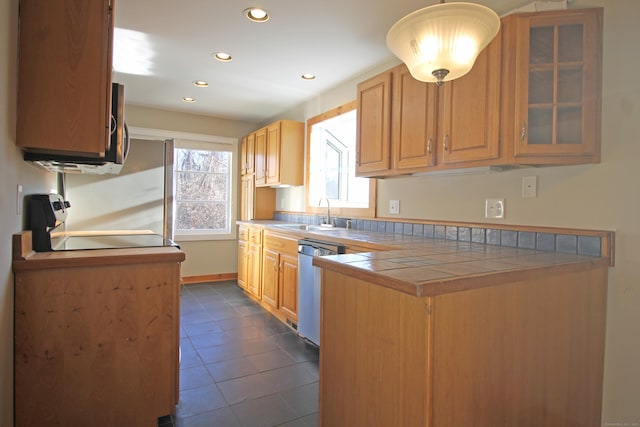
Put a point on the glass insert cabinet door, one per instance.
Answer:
(558, 84)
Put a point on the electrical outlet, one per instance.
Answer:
(394, 206)
(529, 186)
(494, 208)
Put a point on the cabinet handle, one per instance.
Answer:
(445, 142)
(523, 131)
(429, 146)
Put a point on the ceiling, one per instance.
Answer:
(163, 46)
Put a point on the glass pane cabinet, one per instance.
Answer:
(556, 85)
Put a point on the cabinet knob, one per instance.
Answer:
(429, 145)
(445, 143)
(523, 131)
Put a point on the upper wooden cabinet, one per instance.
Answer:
(64, 76)
(279, 149)
(260, 156)
(256, 203)
(373, 124)
(429, 126)
(413, 125)
(274, 150)
(469, 127)
(247, 154)
(533, 96)
(553, 86)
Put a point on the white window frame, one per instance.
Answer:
(218, 144)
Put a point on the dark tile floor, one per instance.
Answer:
(240, 365)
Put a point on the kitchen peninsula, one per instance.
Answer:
(420, 331)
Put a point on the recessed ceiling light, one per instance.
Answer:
(308, 76)
(189, 100)
(222, 56)
(200, 83)
(256, 14)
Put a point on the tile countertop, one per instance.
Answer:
(423, 266)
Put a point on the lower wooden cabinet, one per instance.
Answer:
(280, 276)
(270, 275)
(97, 340)
(250, 260)
(288, 286)
(268, 270)
(243, 264)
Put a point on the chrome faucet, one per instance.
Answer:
(328, 209)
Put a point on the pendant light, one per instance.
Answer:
(441, 42)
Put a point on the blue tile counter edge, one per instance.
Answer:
(579, 244)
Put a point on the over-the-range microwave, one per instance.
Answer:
(114, 157)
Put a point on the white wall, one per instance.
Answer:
(131, 200)
(600, 196)
(13, 171)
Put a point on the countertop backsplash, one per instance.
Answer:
(575, 243)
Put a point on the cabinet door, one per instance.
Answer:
(254, 261)
(470, 126)
(289, 286)
(247, 192)
(373, 135)
(243, 265)
(261, 156)
(246, 154)
(273, 154)
(558, 86)
(243, 156)
(64, 84)
(249, 154)
(413, 128)
(270, 275)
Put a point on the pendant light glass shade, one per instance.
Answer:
(441, 42)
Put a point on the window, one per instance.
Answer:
(203, 196)
(331, 162)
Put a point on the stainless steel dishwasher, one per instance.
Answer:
(309, 282)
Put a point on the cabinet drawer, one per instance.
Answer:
(243, 233)
(281, 244)
(255, 236)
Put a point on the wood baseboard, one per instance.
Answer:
(221, 277)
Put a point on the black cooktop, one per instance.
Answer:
(117, 241)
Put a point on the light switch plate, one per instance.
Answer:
(394, 206)
(494, 208)
(529, 186)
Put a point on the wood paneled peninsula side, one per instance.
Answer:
(96, 335)
(445, 334)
